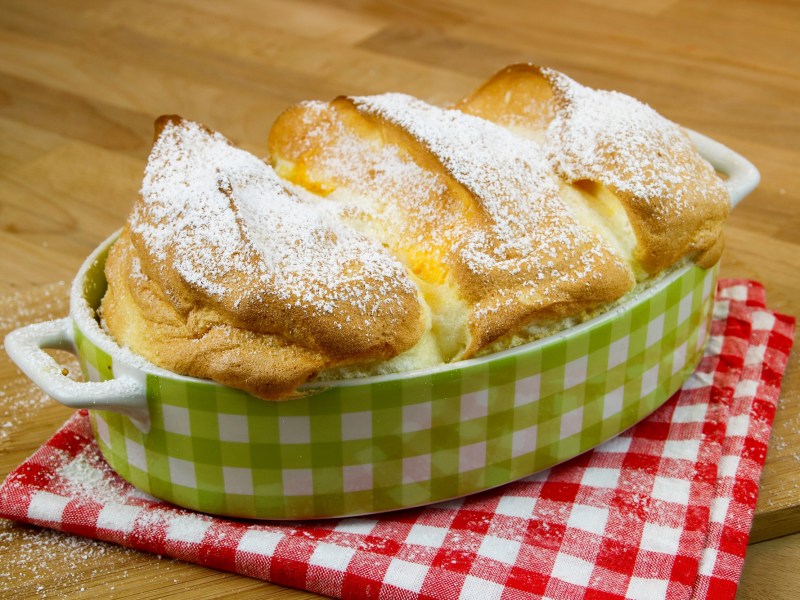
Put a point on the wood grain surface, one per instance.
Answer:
(81, 82)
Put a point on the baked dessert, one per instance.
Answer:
(618, 153)
(472, 210)
(225, 273)
(389, 234)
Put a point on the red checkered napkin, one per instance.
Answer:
(663, 510)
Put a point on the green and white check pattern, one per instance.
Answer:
(406, 442)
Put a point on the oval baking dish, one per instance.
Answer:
(387, 442)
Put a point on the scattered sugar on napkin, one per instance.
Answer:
(663, 510)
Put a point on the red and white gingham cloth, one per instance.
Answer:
(663, 510)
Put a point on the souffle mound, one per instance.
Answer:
(389, 235)
(225, 273)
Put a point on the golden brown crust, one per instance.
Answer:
(674, 201)
(499, 284)
(515, 98)
(225, 274)
(200, 343)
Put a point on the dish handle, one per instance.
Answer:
(123, 394)
(742, 177)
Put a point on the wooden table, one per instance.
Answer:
(82, 80)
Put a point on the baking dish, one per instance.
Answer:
(387, 442)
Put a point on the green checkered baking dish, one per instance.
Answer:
(380, 443)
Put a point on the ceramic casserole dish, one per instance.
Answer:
(380, 443)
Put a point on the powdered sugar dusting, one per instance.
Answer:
(410, 185)
(388, 195)
(615, 139)
(221, 217)
(385, 165)
(530, 229)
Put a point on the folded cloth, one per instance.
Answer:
(662, 510)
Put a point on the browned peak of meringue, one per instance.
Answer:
(227, 242)
(608, 142)
(511, 250)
